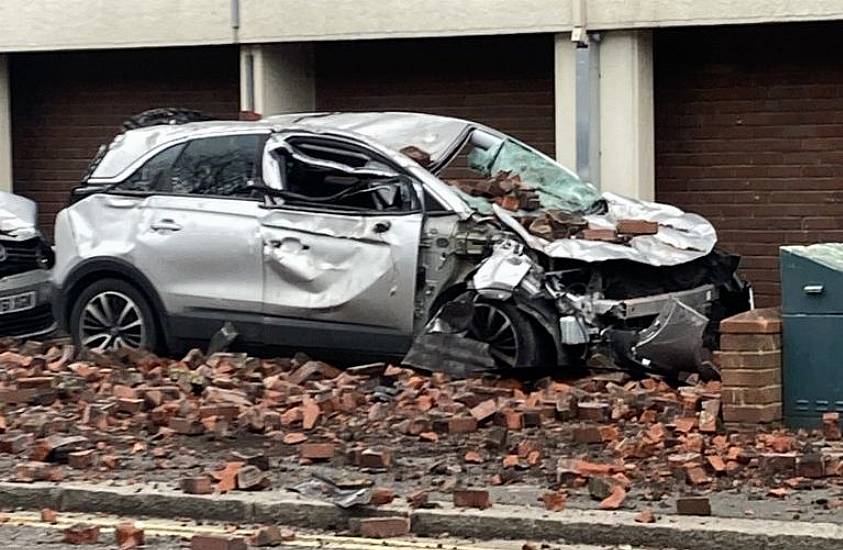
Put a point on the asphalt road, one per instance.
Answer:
(24, 532)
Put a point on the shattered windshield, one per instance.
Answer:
(519, 179)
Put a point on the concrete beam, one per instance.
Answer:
(565, 99)
(5, 126)
(277, 78)
(27, 25)
(627, 126)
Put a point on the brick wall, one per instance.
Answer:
(65, 105)
(749, 133)
(503, 81)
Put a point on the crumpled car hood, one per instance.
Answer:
(17, 214)
(682, 237)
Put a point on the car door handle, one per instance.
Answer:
(275, 243)
(382, 227)
(166, 225)
(813, 289)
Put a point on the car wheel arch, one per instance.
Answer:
(94, 269)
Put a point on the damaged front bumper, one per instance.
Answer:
(662, 333)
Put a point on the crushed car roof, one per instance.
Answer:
(394, 130)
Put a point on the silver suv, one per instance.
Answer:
(364, 233)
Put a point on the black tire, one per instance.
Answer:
(523, 349)
(83, 322)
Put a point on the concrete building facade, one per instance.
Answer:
(730, 109)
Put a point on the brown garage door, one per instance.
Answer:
(749, 132)
(505, 81)
(64, 105)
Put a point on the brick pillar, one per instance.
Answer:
(751, 367)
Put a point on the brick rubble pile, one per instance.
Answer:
(66, 416)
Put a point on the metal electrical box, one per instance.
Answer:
(812, 332)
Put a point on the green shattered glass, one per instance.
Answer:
(557, 187)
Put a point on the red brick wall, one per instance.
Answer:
(65, 105)
(504, 81)
(749, 132)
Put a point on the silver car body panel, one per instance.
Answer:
(338, 267)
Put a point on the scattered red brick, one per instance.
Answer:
(382, 495)
(271, 536)
(317, 451)
(128, 536)
(49, 515)
(82, 533)
(614, 500)
(472, 498)
(217, 542)
(645, 516)
(201, 485)
(383, 528)
(554, 501)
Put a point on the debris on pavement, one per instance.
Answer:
(622, 441)
(82, 533)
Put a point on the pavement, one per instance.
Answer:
(502, 522)
(25, 531)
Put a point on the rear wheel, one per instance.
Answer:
(110, 314)
(512, 338)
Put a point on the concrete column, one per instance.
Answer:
(5, 126)
(277, 78)
(565, 92)
(626, 114)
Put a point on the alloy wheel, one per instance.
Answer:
(111, 320)
(493, 326)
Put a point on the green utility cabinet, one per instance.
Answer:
(812, 332)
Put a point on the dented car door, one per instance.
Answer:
(340, 252)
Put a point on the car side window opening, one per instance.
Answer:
(223, 165)
(153, 173)
(322, 173)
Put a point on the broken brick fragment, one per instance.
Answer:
(637, 227)
(554, 501)
(317, 451)
(614, 500)
(200, 485)
(693, 506)
(831, 426)
(48, 515)
(271, 535)
(81, 460)
(376, 459)
(82, 533)
(382, 495)
(128, 536)
(472, 498)
(418, 499)
(217, 542)
(462, 424)
(384, 527)
(473, 457)
(484, 410)
(251, 478)
(294, 438)
(645, 516)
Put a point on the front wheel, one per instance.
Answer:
(110, 314)
(512, 338)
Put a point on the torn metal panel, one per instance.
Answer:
(682, 237)
(503, 271)
(17, 214)
(674, 340)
